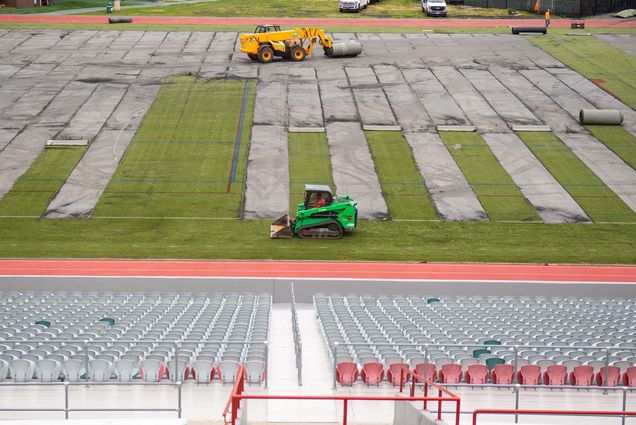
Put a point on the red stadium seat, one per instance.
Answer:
(613, 376)
(529, 374)
(394, 373)
(372, 373)
(629, 377)
(555, 375)
(503, 374)
(581, 376)
(431, 371)
(450, 374)
(477, 374)
(346, 373)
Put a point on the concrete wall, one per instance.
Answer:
(409, 413)
(306, 288)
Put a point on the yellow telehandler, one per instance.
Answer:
(268, 41)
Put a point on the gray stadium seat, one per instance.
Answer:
(153, 370)
(4, 370)
(48, 370)
(74, 369)
(99, 370)
(228, 371)
(21, 370)
(255, 371)
(126, 370)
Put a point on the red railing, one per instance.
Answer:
(234, 403)
(550, 412)
(416, 378)
(237, 390)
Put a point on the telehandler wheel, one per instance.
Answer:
(265, 54)
(297, 54)
(252, 56)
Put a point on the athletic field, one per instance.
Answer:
(458, 147)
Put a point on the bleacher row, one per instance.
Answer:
(473, 339)
(127, 336)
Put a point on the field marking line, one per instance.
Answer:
(239, 136)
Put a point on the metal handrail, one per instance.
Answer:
(68, 409)
(415, 377)
(237, 389)
(518, 387)
(550, 412)
(234, 402)
(298, 346)
(129, 341)
(476, 344)
(344, 398)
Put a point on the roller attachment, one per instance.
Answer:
(344, 48)
(601, 116)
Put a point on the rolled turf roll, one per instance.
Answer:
(601, 116)
(344, 48)
(119, 20)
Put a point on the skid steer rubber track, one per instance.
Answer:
(327, 230)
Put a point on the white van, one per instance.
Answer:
(353, 5)
(434, 7)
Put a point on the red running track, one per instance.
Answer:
(320, 270)
(167, 20)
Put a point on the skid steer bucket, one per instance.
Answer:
(281, 228)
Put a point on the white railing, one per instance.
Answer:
(67, 410)
(298, 345)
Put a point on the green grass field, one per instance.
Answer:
(402, 184)
(621, 142)
(500, 197)
(180, 163)
(171, 183)
(596, 199)
(377, 241)
(62, 5)
(596, 60)
(556, 32)
(312, 9)
(309, 162)
(35, 190)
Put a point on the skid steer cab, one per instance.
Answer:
(269, 41)
(322, 215)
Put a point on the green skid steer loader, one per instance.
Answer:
(322, 215)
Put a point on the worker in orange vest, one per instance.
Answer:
(547, 18)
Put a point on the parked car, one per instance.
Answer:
(434, 7)
(353, 5)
